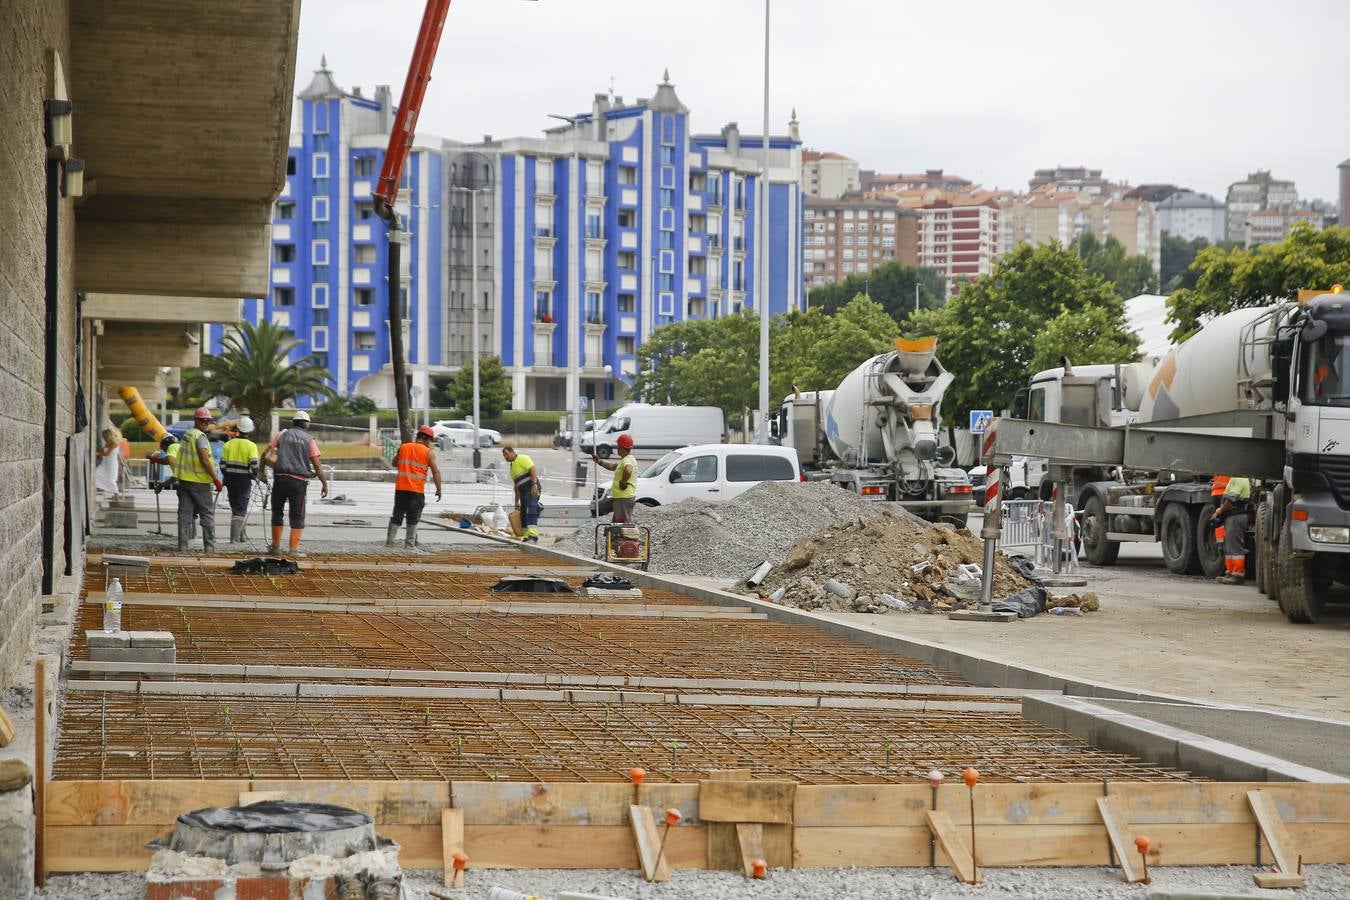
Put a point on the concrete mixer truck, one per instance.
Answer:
(1261, 392)
(877, 433)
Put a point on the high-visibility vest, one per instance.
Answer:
(414, 467)
(240, 457)
(188, 466)
(627, 465)
(1219, 485)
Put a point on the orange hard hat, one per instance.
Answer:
(426, 432)
(625, 441)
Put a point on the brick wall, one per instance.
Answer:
(25, 37)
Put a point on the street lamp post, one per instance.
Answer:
(473, 304)
(762, 251)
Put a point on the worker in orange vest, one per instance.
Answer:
(415, 460)
(1216, 490)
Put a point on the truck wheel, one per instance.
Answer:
(1301, 594)
(1098, 550)
(1178, 540)
(1264, 583)
(604, 451)
(1207, 549)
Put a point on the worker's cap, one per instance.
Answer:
(244, 425)
(426, 432)
(300, 416)
(626, 441)
(203, 415)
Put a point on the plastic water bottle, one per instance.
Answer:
(1065, 611)
(112, 607)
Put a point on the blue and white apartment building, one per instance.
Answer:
(587, 239)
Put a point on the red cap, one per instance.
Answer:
(426, 432)
(203, 414)
(625, 441)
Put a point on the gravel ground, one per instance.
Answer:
(802, 884)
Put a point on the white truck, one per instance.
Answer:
(878, 434)
(1260, 392)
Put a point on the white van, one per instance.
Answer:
(713, 472)
(656, 428)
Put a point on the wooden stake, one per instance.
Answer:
(1117, 831)
(1287, 860)
(961, 860)
(6, 729)
(452, 842)
(645, 839)
(40, 775)
(750, 840)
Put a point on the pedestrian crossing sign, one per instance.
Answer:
(980, 419)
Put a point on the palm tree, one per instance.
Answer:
(252, 371)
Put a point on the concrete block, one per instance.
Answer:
(991, 673)
(16, 836)
(120, 518)
(1032, 680)
(158, 639)
(1216, 759)
(133, 655)
(97, 638)
(127, 502)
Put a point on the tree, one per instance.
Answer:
(1039, 303)
(494, 389)
(253, 373)
(890, 284)
(1129, 275)
(1228, 279)
(346, 407)
(1177, 256)
(834, 346)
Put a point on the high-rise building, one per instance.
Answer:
(1046, 215)
(829, 175)
(1258, 192)
(853, 235)
(1190, 215)
(1271, 226)
(959, 238)
(1071, 178)
(1344, 209)
(582, 241)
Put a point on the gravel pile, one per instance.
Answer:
(887, 563)
(727, 540)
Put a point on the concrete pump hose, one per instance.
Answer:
(150, 425)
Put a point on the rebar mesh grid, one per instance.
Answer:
(112, 736)
(499, 642)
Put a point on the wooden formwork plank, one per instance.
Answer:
(100, 848)
(1275, 831)
(389, 802)
(1279, 880)
(562, 803)
(575, 847)
(750, 843)
(1117, 831)
(747, 801)
(949, 841)
(855, 805)
(452, 842)
(648, 844)
(861, 846)
(1226, 802)
(248, 798)
(135, 802)
(722, 851)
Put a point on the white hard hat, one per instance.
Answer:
(244, 426)
(300, 416)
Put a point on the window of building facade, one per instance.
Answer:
(593, 229)
(320, 209)
(593, 308)
(363, 340)
(285, 209)
(283, 296)
(628, 175)
(318, 295)
(595, 175)
(283, 253)
(543, 306)
(364, 296)
(363, 166)
(321, 117)
(627, 303)
(627, 259)
(625, 345)
(667, 240)
(320, 165)
(363, 254)
(627, 218)
(290, 165)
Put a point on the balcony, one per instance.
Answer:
(738, 244)
(543, 190)
(714, 200)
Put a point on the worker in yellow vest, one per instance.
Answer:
(1232, 512)
(239, 460)
(196, 473)
(623, 493)
(525, 478)
(415, 461)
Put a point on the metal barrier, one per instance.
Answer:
(1028, 528)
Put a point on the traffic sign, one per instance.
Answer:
(583, 401)
(980, 419)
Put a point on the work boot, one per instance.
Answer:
(410, 541)
(1230, 579)
(236, 529)
(390, 535)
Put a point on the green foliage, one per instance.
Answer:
(1039, 303)
(1229, 279)
(715, 362)
(494, 389)
(252, 371)
(1177, 256)
(1129, 275)
(890, 284)
(345, 407)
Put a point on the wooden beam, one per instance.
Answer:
(154, 308)
(1118, 833)
(248, 798)
(452, 842)
(647, 842)
(949, 841)
(747, 801)
(750, 843)
(1279, 880)
(40, 770)
(208, 260)
(1275, 832)
(723, 853)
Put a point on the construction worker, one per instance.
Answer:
(1217, 486)
(525, 478)
(162, 462)
(239, 464)
(1232, 512)
(623, 492)
(295, 460)
(195, 471)
(414, 461)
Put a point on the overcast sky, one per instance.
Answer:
(1183, 91)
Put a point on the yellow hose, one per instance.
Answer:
(142, 414)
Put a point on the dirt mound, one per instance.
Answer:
(888, 563)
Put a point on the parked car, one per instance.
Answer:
(656, 428)
(712, 472)
(460, 433)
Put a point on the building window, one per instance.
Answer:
(283, 296)
(593, 308)
(319, 317)
(285, 209)
(668, 219)
(667, 155)
(627, 259)
(667, 240)
(318, 338)
(625, 345)
(667, 258)
(627, 303)
(363, 166)
(665, 305)
(543, 306)
(321, 117)
(318, 296)
(627, 218)
(668, 177)
(668, 129)
(595, 175)
(283, 253)
(320, 209)
(365, 211)
(319, 252)
(666, 281)
(320, 165)
(627, 175)
(593, 229)
(363, 254)
(667, 197)
(364, 340)
(364, 296)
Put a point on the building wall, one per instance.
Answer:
(1344, 208)
(833, 237)
(30, 29)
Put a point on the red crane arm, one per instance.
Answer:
(410, 104)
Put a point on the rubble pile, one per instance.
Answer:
(887, 563)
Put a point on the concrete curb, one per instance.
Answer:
(1163, 745)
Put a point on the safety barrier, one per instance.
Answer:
(1028, 528)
